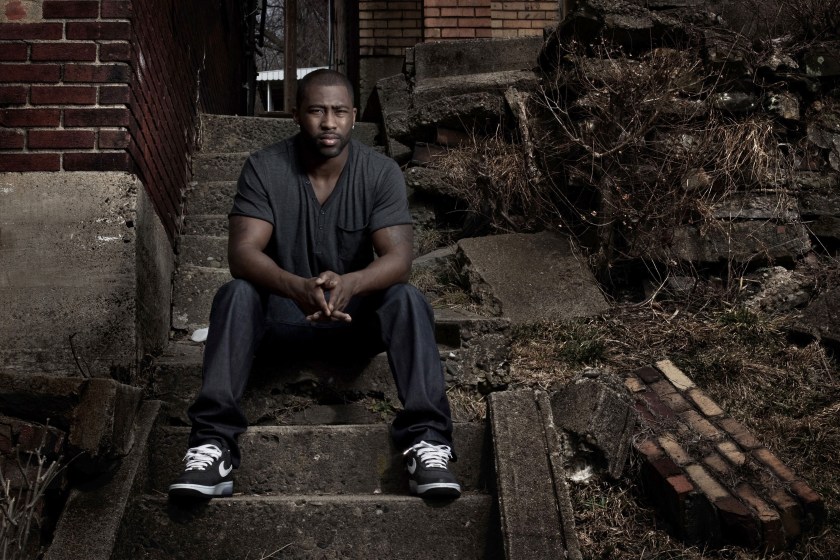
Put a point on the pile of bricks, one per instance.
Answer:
(707, 474)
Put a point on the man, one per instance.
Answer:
(309, 213)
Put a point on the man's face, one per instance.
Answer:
(326, 117)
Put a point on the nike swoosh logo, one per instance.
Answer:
(412, 466)
(224, 471)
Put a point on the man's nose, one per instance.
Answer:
(329, 120)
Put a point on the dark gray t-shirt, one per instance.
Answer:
(310, 238)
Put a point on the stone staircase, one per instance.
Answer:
(320, 477)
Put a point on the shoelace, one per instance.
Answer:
(432, 456)
(201, 457)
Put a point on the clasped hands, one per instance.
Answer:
(325, 296)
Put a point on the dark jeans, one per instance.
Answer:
(399, 320)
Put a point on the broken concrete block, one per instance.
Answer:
(821, 319)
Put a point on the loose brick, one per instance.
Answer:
(78, 139)
(706, 405)
(707, 484)
(114, 95)
(702, 426)
(648, 374)
(676, 402)
(739, 433)
(648, 448)
(43, 31)
(666, 467)
(11, 139)
(717, 464)
(85, 52)
(99, 73)
(773, 535)
(99, 161)
(29, 117)
(810, 500)
(663, 387)
(13, 95)
(114, 139)
(775, 464)
(656, 406)
(14, 52)
(789, 511)
(117, 9)
(634, 384)
(30, 73)
(96, 117)
(30, 162)
(674, 450)
(63, 95)
(102, 30)
(738, 524)
(115, 52)
(680, 380)
(644, 414)
(732, 453)
(58, 9)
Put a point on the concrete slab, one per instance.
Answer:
(531, 277)
(531, 524)
(193, 294)
(821, 319)
(309, 527)
(474, 56)
(210, 224)
(433, 89)
(203, 250)
(218, 166)
(314, 459)
(210, 197)
(68, 253)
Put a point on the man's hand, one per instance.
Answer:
(341, 288)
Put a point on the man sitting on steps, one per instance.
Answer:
(309, 213)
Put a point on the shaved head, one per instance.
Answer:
(322, 77)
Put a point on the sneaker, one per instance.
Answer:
(428, 471)
(208, 473)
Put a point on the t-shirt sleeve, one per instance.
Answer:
(251, 197)
(391, 206)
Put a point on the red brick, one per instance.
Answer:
(739, 433)
(773, 535)
(717, 464)
(100, 161)
(666, 467)
(732, 453)
(649, 448)
(701, 426)
(116, 9)
(737, 523)
(457, 12)
(58, 9)
(115, 52)
(29, 117)
(114, 139)
(79, 139)
(96, 117)
(44, 31)
(644, 414)
(484, 33)
(14, 52)
(775, 464)
(456, 33)
(103, 30)
(674, 450)
(64, 51)
(810, 500)
(676, 402)
(656, 406)
(11, 139)
(30, 73)
(114, 95)
(63, 95)
(789, 511)
(680, 485)
(649, 374)
(101, 73)
(663, 387)
(440, 22)
(30, 162)
(12, 95)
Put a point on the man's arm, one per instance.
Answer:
(395, 247)
(247, 239)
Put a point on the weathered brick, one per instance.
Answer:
(656, 406)
(634, 384)
(663, 387)
(78, 139)
(117, 9)
(706, 405)
(738, 432)
(63, 95)
(680, 380)
(738, 524)
(98, 161)
(676, 402)
(717, 464)
(114, 95)
(101, 30)
(97, 73)
(115, 52)
(113, 139)
(648, 374)
(13, 95)
(789, 511)
(44, 31)
(457, 33)
(707, 484)
(29, 117)
(732, 453)
(648, 448)
(64, 51)
(30, 162)
(773, 535)
(11, 139)
(775, 464)
(700, 425)
(25, 73)
(810, 500)
(13, 52)
(96, 117)
(666, 467)
(674, 450)
(57, 9)
(644, 414)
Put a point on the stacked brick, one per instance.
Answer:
(707, 474)
(388, 28)
(456, 19)
(523, 19)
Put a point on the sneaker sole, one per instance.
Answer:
(436, 489)
(200, 491)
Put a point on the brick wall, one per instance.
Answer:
(387, 28)
(456, 19)
(111, 85)
(523, 19)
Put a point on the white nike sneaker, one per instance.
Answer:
(429, 475)
(208, 473)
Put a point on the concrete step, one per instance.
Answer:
(225, 133)
(224, 166)
(210, 197)
(206, 224)
(355, 459)
(193, 294)
(203, 250)
(312, 527)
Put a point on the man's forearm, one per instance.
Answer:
(260, 269)
(381, 274)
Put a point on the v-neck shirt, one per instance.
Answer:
(309, 237)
